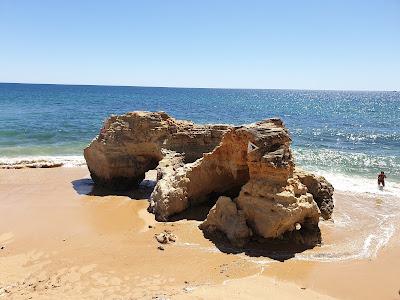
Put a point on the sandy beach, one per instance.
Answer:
(59, 238)
(205, 150)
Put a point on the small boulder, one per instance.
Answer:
(273, 211)
(165, 237)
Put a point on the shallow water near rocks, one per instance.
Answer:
(361, 227)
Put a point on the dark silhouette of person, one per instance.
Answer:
(381, 178)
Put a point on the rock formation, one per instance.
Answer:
(226, 217)
(131, 144)
(250, 168)
(321, 190)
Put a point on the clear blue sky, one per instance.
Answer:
(208, 43)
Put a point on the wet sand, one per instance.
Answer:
(62, 239)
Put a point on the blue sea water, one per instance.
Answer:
(348, 136)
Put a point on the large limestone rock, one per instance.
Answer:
(272, 200)
(250, 166)
(224, 170)
(133, 143)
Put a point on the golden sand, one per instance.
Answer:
(58, 242)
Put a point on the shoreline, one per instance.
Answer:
(59, 241)
(347, 183)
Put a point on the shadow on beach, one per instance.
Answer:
(197, 212)
(277, 249)
(86, 186)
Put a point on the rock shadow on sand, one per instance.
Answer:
(197, 212)
(86, 186)
(280, 249)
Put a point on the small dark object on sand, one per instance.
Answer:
(160, 248)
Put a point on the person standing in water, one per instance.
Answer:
(381, 178)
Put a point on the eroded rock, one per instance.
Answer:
(321, 190)
(250, 166)
(272, 211)
(224, 170)
(225, 217)
(133, 143)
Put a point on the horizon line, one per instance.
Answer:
(186, 87)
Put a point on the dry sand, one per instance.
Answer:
(58, 242)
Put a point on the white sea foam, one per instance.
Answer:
(358, 247)
(358, 184)
(364, 220)
(41, 161)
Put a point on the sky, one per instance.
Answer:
(339, 45)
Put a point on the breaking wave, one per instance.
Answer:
(361, 185)
(351, 171)
(41, 162)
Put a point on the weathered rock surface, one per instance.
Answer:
(224, 170)
(133, 143)
(225, 217)
(272, 211)
(321, 190)
(165, 237)
(250, 166)
(272, 201)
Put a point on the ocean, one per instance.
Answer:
(347, 136)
